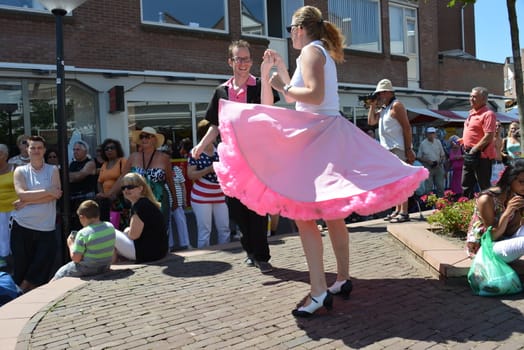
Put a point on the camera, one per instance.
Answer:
(368, 98)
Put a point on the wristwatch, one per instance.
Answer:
(287, 87)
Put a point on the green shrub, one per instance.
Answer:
(451, 217)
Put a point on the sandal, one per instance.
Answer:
(400, 218)
(391, 216)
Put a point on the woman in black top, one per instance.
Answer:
(146, 237)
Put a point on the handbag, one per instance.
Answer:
(489, 275)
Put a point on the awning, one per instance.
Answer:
(501, 117)
(455, 116)
(507, 117)
(440, 117)
(422, 115)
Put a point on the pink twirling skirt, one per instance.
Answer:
(307, 166)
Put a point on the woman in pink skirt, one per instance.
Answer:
(310, 163)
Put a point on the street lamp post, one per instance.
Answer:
(60, 8)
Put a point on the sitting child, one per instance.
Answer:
(92, 247)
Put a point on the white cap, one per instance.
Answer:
(431, 129)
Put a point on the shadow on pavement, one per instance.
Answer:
(414, 309)
(196, 268)
(372, 229)
(285, 275)
(110, 275)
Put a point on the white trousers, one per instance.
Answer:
(5, 234)
(125, 245)
(511, 248)
(178, 216)
(204, 214)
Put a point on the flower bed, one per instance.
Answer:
(451, 216)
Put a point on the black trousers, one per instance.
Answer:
(479, 173)
(253, 227)
(33, 254)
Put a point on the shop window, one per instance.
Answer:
(174, 120)
(356, 115)
(195, 14)
(29, 107)
(11, 114)
(81, 114)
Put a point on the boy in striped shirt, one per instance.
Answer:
(92, 247)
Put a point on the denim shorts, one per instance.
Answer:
(72, 269)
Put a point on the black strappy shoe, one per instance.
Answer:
(309, 310)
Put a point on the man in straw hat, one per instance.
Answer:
(394, 133)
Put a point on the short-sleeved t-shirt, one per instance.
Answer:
(479, 123)
(96, 243)
(152, 243)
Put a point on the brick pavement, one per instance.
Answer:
(211, 301)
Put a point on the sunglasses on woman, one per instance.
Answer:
(128, 187)
(145, 136)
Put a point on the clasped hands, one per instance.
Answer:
(271, 59)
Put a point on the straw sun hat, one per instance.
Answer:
(135, 136)
(384, 85)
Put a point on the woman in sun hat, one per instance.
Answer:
(153, 165)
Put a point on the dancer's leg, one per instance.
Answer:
(339, 236)
(313, 249)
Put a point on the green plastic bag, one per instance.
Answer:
(489, 275)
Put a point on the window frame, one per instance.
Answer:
(405, 18)
(22, 8)
(357, 47)
(34, 10)
(188, 27)
(265, 26)
(286, 17)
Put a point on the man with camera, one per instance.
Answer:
(431, 155)
(479, 132)
(394, 132)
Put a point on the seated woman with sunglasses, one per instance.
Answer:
(145, 239)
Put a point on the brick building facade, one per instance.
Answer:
(169, 67)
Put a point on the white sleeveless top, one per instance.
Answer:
(330, 104)
(390, 130)
(39, 217)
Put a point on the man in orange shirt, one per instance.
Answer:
(479, 132)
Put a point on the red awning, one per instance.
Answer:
(422, 116)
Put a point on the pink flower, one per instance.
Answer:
(449, 193)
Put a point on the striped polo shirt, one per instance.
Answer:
(96, 242)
